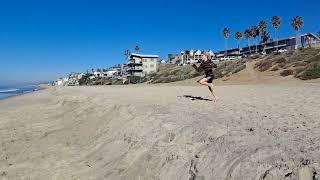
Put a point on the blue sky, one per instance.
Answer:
(44, 39)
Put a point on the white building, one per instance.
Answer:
(79, 76)
(113, 71)
(97, 74)
(59, 82)
(162, 61)
(189, 56)
(142, 64)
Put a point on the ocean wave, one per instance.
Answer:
(11, 90)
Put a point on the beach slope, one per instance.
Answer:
(162, 132)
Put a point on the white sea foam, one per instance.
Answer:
(11, 90)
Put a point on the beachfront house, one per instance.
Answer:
(124, 69)
(80, 75)
(59, 82)
(114, 71)
(142, 64)
(281, 44)
(162, 61)
(189, 56)
(98, 74)
(289, 43)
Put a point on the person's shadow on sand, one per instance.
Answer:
(193, 98)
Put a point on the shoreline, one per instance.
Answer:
(38, 88)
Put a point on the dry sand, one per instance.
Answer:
(266, 131)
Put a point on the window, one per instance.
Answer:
(151, 66)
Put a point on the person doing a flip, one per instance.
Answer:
(207, 66)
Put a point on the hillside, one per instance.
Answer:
(172, 73)
(301, 64)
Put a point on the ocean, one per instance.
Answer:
(9, 91)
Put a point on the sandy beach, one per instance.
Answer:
(258, 131)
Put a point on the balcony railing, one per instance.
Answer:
(134, 61)
(134, 69)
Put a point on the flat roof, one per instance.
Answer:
(144, 55)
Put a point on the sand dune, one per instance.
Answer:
(155, 132)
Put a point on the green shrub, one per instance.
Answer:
(314, 59)
(282, 65)
(135, 79)
(218, 74)
(239, 68)
(280, 60)
(170, 73)
(312, 72)
(84, 80)
(298, 70)
(286, 72)
(297, 64)
(264, 65)
(95, 83)
(255, 56)
(275, 68)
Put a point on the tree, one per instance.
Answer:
(297, 24)
(254, 33)
(247, 35)
(226, 34)
(265, 36)
(238, 37)
(137, 48)
(262, 25)
(126, 52)
(263, 28)
(276, 21)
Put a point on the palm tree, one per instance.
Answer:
(247, 35)
(263, 28)
(265, 37)
(262, 25)
(238, 37)
(126, 52)
(226, 34)
(276, 21)
(297, 24)
(137, 48)
(254, 33)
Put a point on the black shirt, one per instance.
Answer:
(206, 66)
